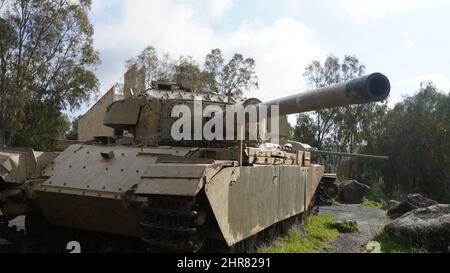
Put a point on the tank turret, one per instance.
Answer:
(149, 117)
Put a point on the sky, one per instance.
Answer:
(407, 40)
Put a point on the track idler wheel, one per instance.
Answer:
(331, 190)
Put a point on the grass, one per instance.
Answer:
(346, 227)
(376, 195)
(371, 203)
(375, 199)
(317, 235)
(389, 245)
(333, 202)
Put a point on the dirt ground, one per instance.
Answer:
(369, 220)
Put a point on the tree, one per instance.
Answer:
(72, 134)
(417, 140)
(233, 78)
(305, 130)
(213, 67)
(166, 68)
(414, 134)
(189, 74)
(42, 127)
(319, 76)
(339, 120)
(46, 61)
(155, 67)
(344, 129)
(147, 59)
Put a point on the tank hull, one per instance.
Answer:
(161, 193)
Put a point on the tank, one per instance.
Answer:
(142, 190)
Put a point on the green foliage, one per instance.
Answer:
(149, 60)
(390, 245)
(344, 129)
(231, 78)
(43, 123)
(237, 76)
(333, 202)
(373, 247)
(318, 234)
(345, 227)
(189, 74)
(417, 140)
(371, 203)
(214, 63)
(376, 195)
(414, 134)
(72, 134)
(305, 130)
(46, 60)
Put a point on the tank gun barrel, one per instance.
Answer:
(370, 88)
(307, 148)
(320, 152)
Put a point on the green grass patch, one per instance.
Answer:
(375, 204)
(376, 200)
(376, 195)
(370, 203)
(346, 227)
(318, 234)
(330, 202)
(333, 202)
(390, 245)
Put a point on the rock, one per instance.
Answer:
(373, 247)
(413, 201)
(378, 200)
(352, 191)
(393, 203)
(423, 228)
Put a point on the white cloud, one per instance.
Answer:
(379, 8)
(293, 5)
(281, 50)
(166, 24)
(409, 44)
(409, 87)
(441, 81)
(217, 8)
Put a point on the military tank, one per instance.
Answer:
(143, 190)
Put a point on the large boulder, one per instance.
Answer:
(412, 202)
(423, 228)
(393, 203)
(352, 191)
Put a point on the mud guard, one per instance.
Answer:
(243, 198)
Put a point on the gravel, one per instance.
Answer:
(369, 220)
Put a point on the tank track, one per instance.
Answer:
(170, 223)
(177, 224)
